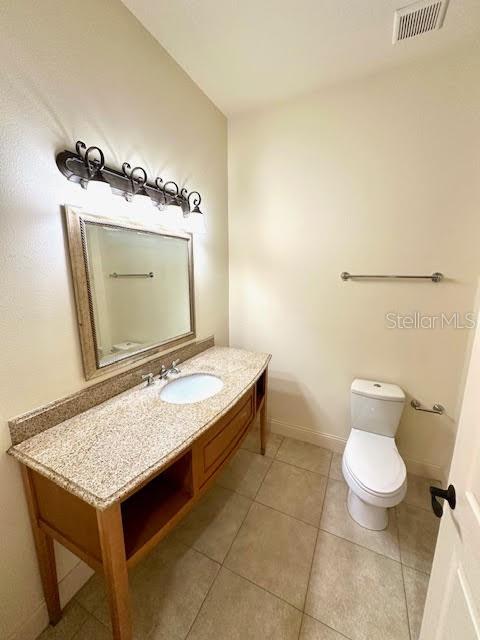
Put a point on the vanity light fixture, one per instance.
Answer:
(86, 166)
(138, 180)
(94, 162)
(137, 177)
(196, 219)
(173, 215)
(93, 165)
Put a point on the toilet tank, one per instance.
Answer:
(376, 406)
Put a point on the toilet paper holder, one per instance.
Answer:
(437, 408)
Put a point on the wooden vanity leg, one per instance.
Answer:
(45, 552)
(263, 419)
(115, 570)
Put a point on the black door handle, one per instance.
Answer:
(447, 494)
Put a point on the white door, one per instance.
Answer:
(452, 609)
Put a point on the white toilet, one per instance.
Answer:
(372, 467)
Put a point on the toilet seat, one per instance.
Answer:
(374, 469)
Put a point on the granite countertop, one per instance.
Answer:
(102, 454)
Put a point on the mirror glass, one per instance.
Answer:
(140, 289)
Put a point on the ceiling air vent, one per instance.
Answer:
(418, 18)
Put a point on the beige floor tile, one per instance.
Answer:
(305, 455)
(171, 591)
(252, 442)
(417, 530)
(212, 525)
(314, 630)
(159, 633)
(337, 520)
(357, 592)
(294, 491)
(92, 594)
(236, 609)
(167, 591)
(72, 619)
(418, 491)
(336, 467)
(274, 551)
(245, 473)
(93, 630)
(416, 585)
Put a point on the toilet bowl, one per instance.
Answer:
(371, 465)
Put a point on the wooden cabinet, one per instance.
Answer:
(217, 444)
(112, 540)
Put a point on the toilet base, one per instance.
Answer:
(367, 515)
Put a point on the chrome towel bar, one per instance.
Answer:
(435, 277)
(437, 408)
(132, 275)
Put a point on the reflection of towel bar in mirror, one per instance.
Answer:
(132, 275)
(435, 277)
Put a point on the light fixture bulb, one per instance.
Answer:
(98, 194)
(195, 223)
(98, 187)
(142, 203)
(171, 217)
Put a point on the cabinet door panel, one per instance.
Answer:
(222, 439)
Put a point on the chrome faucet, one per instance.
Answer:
(150, 378)
(166, 371)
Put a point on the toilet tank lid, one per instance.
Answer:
(378, 390)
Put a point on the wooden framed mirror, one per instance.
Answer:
(133, 287)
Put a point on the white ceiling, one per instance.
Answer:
(245, 54)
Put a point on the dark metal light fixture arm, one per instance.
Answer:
(87, 164)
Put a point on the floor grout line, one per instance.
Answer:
(295, 466)
(274, 595)
(309, 580)
(221, 564)
(304, 468)
(282, 513)
(403, 577)
(361, 546)
(318, 528)
(310, 572)
(315, 549)
(399, 561)
(203, 601)
(406, 605)
(255, 584)
(327, 626)
(90, 616)
(275, 458)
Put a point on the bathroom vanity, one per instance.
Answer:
(110, 482)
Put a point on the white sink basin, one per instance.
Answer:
(191, 388)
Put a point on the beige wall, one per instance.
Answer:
(379, 176)
(81, 70)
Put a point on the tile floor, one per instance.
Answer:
(271, 553)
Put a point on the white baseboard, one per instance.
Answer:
(337, 444)
(325, 440)
(425, 469)
(68, 587)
